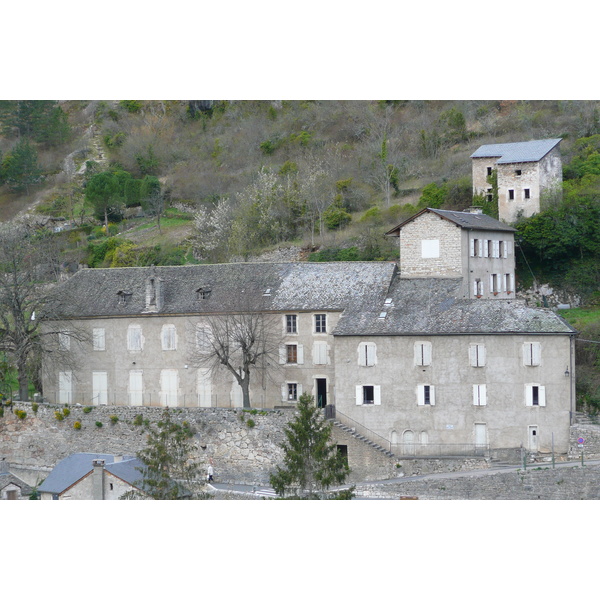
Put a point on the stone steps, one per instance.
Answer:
(362, 438)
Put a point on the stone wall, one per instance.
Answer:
(535, 483)
(240, 453)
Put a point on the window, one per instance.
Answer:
(320, 353)
(320, 323)
(204, 387)
(511, 194)
(422, 354)
(203, 293)
(475, 247)
(64, 341)
(425, 395)
(136, 388)
(501, 249)
(169, 337)
(291, 325)
(478, 288)
(292, 353)
(98, 339)
(168, 387)
(134, 338)
(368, 394)
(367, 354)
(477, 355)
(479, 395)
(489, 195)
(292, 389)
(532, 354)
(490, 248)
(535, 395)
(203, 338)
(100, 387)
(509, 282)
(518, 172)
(65, 387)
(494, 283)
(430, 248)
(526, 193)
(489, 171)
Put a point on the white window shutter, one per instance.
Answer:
(300, 355)
(481, 355)
(481, 245)
(474, 288)
(299, 389)
(421, 395)
(284, 392)
(418, 354)
(376, 394)
(362, 355)
(475, 395)
(536, 353)
(431, 395)
(528, 395)
(472, 250)
(542, 395)
(505, 246)
(485, 249)
(482, 395)
(473, 355)
(426, 353)
(527, 354)
(359, 394)
(371, 355)
(282, 355)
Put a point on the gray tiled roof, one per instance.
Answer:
(430, 307)
(466, 220)
(71, 469)
(9, 478)
(233, 287)
(518, 151)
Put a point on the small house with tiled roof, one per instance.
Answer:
(525, 171)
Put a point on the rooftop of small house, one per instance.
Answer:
(517, 152)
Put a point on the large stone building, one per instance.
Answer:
(525, 171)
(433, 358)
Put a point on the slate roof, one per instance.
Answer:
(233, 287)
(517, 152)
(73, 468)
(466, 220)
(430, 307)
(7, 478)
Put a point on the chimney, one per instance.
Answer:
(476, 210)
(98, 479)
(154, 292)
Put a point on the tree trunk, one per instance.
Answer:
(23, 380)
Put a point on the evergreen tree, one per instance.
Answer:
(169, 472)
(312, 463)
(104, 192)
(20, 168)
(40, 120)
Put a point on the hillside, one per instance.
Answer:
(259, 175)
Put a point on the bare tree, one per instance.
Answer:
(242, 343)
(28, 270)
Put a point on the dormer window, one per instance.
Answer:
(123, 297)
(203, 293)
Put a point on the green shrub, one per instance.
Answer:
(250, 423)
(20, 413)
(1, 411)
(138, 420)
(87, 409)
(336, 217)
(66, 411)
(98, 424)
(58, 415)
(77, 425)
(34, 407)
(113, 419)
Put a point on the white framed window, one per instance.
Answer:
(367, 354)
(478, 288)
(430, 248)
(321, 323)
(99, 339)
(168, 336)
(368, 394)
(203, 338)
(64, 341)
(474, 250)
(479, 394)
(169, 384)
(136, 388)
(423, 354)
(291, 391)
(535, 394)
(494, 283)
(65, 387)
(477, 355)
(320, 353)
(509, 283)
(425, 395)
(204, 387)
(100, 387)
(291, 354)
(134, 338)
(532, 354)
(291, 323)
